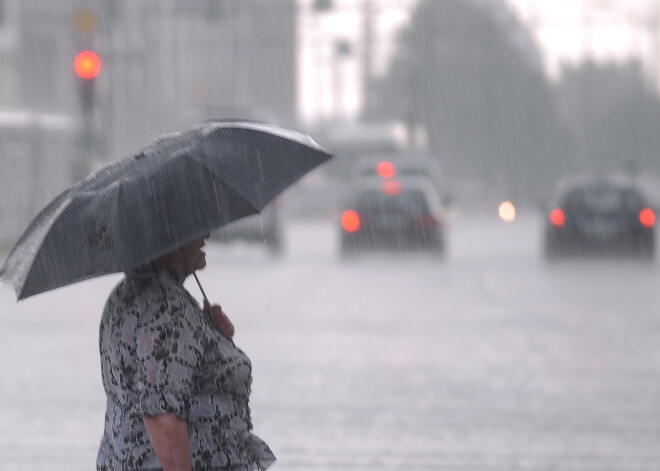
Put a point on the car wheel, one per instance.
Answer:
(348, 249)
(438, 246)
(646, 250)
(551, 251)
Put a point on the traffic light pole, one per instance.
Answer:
(87, 67)
(88, 148)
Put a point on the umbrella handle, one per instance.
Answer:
(202, 290)
(209, 303)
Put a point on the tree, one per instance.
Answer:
(488, 111)
(614, 115)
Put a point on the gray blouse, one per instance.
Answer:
(161, 354)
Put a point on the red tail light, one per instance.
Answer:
(350, 221)
(558, 217)
(391, 187)
(427, 222)
(385, 169)
(647, 217)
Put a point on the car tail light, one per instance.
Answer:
(647, 217)
(427, 222)
(385, 169)
(391, 187)
(350, 221)
(558, 217)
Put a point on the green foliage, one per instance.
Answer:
(488, 111)
(614, 116)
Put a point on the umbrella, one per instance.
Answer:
(177, 188)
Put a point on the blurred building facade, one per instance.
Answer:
(184, 59)
(8, 48)
(166, 64)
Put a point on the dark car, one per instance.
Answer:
(599, 215)
(394, 214)
(264, 229)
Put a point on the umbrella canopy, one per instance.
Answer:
(177, 188)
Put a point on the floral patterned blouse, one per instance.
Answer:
(161, 354)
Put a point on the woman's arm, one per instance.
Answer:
(169, 438)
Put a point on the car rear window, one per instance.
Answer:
(408, 201)
(603, 200)
(415, 172)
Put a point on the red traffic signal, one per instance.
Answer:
(87, 65)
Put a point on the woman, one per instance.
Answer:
(177, 387)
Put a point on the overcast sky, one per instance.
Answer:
(605, 29)
(566, 30)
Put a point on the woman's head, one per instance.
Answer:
(187, 258)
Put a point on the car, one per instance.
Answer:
(597, 216)
(264, 228)
(399, 214)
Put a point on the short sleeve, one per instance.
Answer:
(168, 351)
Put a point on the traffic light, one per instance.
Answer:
(87, 66)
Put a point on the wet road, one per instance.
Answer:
(489, 360)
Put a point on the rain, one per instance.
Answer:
(469, 284)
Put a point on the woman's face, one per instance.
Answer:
(187, 258)
(193, 257)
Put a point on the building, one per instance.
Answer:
(164, 61)
(165, 65)
(174, 62)
(8, 51)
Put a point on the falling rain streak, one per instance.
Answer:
(470, 283)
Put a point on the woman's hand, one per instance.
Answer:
(220, 320)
